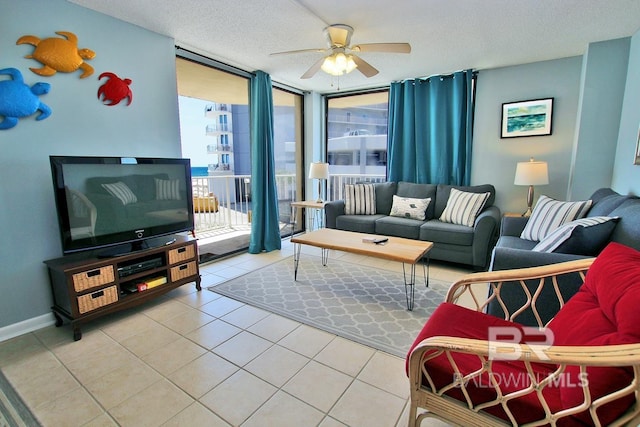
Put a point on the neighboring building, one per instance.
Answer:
(357, 139)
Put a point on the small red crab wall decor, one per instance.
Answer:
(114, 90)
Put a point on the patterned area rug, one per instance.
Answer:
(358, 302)
(13, 411)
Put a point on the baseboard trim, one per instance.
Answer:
(26, 326)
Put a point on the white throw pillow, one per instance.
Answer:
(359, 199)
(167, 189)
(407, 207)
(463, 207)
(549, 214)
(121, 191)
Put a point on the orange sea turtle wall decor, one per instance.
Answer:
(59, 54)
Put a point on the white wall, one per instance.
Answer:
(79, 125)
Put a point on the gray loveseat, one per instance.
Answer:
(512, 252)
(452, 242)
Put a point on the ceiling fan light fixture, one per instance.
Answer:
(338, 64)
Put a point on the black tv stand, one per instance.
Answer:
(86, 286)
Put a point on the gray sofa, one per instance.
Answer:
(452, 242)
(513, 252)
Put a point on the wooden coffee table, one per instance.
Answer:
(406, 251)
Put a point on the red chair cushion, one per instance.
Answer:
(603, 312)
(452, 320)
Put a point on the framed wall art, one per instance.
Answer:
(527, 118)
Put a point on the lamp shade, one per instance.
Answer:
(319, 171)
(531, 173)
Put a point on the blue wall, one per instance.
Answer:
(494, 159)
(79, 125)
(626, 175)
(604, 72)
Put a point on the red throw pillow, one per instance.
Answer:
(603, 312)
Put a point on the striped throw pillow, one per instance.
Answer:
(167, 189)
(121, 191)
(590, 235)
(407, 207)
(463, 207)
(359, 199)
(549, 214)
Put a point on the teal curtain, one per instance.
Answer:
(265, 229)
(431, 129)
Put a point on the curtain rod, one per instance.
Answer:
(189, 54)
(474, 73)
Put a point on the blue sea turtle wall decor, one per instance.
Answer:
(19, 100)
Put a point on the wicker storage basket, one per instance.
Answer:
(182, 271)
(92, 278)
(97, 299)
(181, 254)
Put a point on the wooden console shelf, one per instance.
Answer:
(86, 287)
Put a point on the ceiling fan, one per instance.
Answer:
(340, 56)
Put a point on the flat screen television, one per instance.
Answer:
(117, 205)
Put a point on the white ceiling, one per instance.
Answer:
(445, 35)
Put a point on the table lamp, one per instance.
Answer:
(531, 173)
(319, 171)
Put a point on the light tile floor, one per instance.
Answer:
(200, 359)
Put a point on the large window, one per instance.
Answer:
(215, 134)
(356, 138)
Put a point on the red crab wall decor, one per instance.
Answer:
(114, 90)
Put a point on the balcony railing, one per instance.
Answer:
(224, 202)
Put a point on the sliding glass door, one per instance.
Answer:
(214, 124)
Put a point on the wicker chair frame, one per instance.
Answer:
(425, 394)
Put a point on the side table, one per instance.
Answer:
(315, 219)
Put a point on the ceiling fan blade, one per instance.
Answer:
(313, 70)
(290, 52)
(383, 47)
(364, 67)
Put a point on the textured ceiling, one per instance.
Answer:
(445, 35)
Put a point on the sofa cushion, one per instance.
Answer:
(384, 196)
(549, 214)
(584, 236)
(121, 191)
(463, 207)
(358, 223)
(419, 191)
(605, 200)
(359, 199)
(603, 312)
(627, 230)
(476, 325)
(437, 231)
(442, 196)
(399, 227)
(406, 207)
